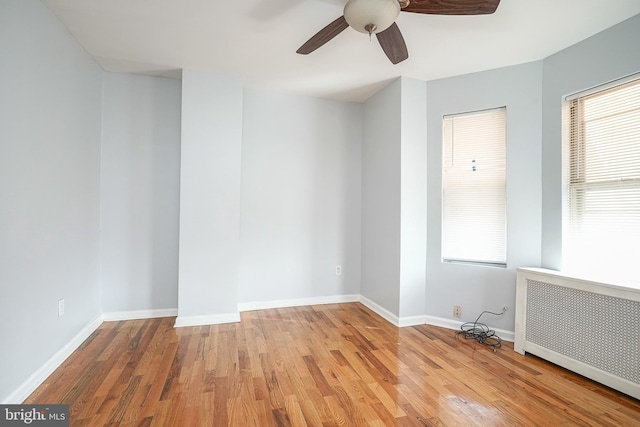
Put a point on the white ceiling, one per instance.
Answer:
(258, 40)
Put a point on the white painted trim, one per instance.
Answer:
(505, 335)
(38, 377)
(629, 290)
(263, 305)
(209, 319)
(443, 322)
(412, 321)
(455, 325)
(381, 311)
(400, 322)
(139, 314)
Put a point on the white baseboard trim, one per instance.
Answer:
(505, 335)
(380, 311)
(264, 305)
(443, 322)
(455, 325)
(412, 321)
(209, 319)
(139, 314)
(400, 322)
(38, 377)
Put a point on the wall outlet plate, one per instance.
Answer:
(457, 311)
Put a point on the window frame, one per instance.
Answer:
(446, 255)
(576, 185)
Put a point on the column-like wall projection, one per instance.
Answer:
(394, 202)
(209, 198)
(381, 202)
(413, 201)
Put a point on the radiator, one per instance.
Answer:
(587, 327)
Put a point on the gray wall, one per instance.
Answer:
(413, 200)
(300, 215)
(317, 189)
(394, 201)
(609, 55)
(139, 190)
(478, 288)
(49, 188)
(210, 172)
(381, 198)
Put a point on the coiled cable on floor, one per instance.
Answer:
(480, 332)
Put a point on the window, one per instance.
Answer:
(474, 187)
(602, 238)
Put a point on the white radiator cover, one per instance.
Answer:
(587, 327)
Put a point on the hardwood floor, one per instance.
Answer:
(325, 365)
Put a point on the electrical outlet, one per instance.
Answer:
(61, 308)
(338, 270)
(457, 311)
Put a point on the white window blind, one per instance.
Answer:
(474, 187)
(603, 236)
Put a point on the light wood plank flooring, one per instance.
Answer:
(325, 365)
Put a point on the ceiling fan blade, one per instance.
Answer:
(393, 44)
(323, 36)
(453, 7)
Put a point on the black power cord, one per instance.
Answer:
(481, 333)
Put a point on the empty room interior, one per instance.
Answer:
(436, 223)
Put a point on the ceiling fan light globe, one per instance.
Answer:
(361, 14)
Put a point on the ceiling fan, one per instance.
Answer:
(378, 17)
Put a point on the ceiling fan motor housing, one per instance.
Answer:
(371, 16)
